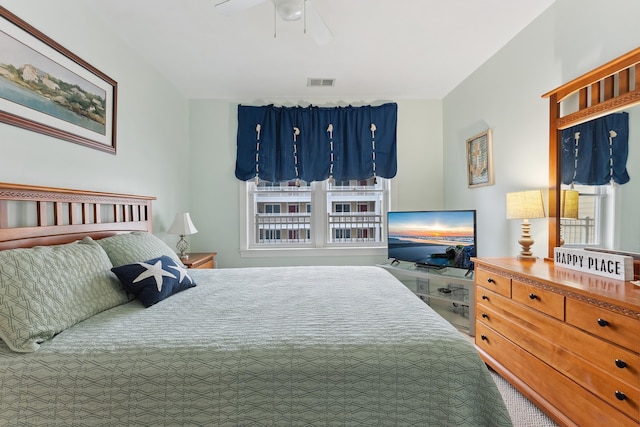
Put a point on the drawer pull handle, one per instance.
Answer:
(620, 395)
(602, 322)
(485, 315)
(533, 296)
(621, 364)
(484, 338)
(490, 280)
(485, 297)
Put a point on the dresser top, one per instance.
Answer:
(588, 285)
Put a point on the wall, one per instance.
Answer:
(152, 123)
(504, 94)
(215, 190)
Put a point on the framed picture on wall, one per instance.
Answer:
(479, 161)
(47, 89)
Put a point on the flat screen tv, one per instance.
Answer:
(443, 238)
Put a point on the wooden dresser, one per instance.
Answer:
(567, 340)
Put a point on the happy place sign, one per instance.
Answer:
(614, 266)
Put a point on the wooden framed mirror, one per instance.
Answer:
(609, 88)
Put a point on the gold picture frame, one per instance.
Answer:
(479, 160)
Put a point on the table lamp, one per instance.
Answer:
(182, 226)
(525, 205)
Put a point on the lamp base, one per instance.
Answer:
(526, 241)
(182, 247)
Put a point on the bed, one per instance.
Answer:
(273, 346)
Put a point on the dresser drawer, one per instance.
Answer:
(613, 327)
(539, 299)
(488, 298)
(622, 365)
(495, 282)
(549, 387)
(516, 323)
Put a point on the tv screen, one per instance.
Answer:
(444, 238)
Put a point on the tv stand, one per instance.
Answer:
(449, 291)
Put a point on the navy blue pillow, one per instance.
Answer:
(154, 280)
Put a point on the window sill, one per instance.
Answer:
(314, 252)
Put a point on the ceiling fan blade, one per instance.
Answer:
(231, 7)
(316, 25)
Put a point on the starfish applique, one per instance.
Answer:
(154, 271)
(182, 271)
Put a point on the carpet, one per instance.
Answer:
(523, 413)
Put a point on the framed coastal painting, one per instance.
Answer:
(47, 89)
(479, 161)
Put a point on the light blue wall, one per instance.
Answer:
(569, 39)
(152, 122)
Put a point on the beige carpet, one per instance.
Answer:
(523, 413)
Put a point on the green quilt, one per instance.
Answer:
(282, 346)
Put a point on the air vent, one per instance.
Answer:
(315, 82)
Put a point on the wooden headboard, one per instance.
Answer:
(32, 215)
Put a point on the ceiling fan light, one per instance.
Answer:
(290, 10)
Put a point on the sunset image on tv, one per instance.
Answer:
(438, 238)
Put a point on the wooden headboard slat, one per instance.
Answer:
(3, 214)
(42, 214)
(624, 81)
(63, 215)
(86, 212)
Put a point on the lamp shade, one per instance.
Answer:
(525, 205)
(569, 204)
(182, 225)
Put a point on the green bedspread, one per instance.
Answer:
(283, 346)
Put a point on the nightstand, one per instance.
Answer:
(200, 260)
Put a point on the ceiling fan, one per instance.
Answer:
(289, 10)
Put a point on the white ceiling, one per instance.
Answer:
(381, 49)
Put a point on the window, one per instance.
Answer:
(271, 208)
(362, 226)
(319, 215)
(342, 207)
(342, 234)
(269, 235)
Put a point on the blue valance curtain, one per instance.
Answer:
(316, 143)
(596, 152)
